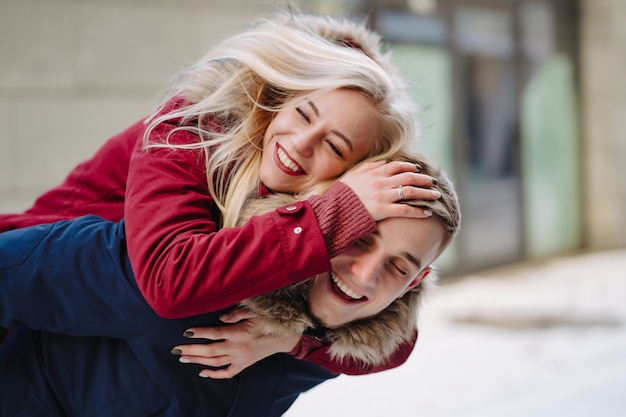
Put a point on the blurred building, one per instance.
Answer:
(523, 101)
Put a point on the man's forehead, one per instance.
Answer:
(414, 239)
(392, 228)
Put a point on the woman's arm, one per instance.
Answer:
(185, 266)
(241, 343)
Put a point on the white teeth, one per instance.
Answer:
(286, 161)
(343, 287)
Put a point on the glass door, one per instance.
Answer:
(486, 132)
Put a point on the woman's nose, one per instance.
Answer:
(304, 142)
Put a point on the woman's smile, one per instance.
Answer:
(285, 163)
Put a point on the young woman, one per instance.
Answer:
(360, 311)
(293, 102)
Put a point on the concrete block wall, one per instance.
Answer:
(75, 72)
(603, 111)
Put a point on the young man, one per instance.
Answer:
(114, 358)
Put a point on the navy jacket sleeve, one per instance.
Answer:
(70, 277)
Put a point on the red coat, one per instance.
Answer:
(184, 266)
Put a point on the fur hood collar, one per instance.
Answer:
(371, 340)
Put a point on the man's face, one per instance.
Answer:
(376, 270)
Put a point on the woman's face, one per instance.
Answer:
(316, 139)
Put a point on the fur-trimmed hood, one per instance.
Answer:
(371, 340)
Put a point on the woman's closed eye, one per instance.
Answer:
(303, 114)
(335, 149)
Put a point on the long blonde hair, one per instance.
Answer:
(241, 84)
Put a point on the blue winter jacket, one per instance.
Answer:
(85, 342)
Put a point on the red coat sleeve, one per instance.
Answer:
(183, 265)
(318, 352)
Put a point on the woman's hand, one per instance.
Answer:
(382, 185)
(237, 345)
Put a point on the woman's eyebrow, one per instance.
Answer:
(336, 132)
(313, 107)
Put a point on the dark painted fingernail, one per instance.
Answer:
(435, 181)
(418, 167)
(188, 333)
(176, 352)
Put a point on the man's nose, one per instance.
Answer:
(366, 269)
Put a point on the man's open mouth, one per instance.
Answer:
(343, 291)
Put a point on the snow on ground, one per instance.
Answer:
(543, 340)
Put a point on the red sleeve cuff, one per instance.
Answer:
(342, 218)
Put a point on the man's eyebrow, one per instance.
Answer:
(413, 260)
(336, 132)
(409, 257)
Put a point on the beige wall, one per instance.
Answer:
(74, 72)
(603, 98)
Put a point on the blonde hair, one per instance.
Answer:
(241, 84)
